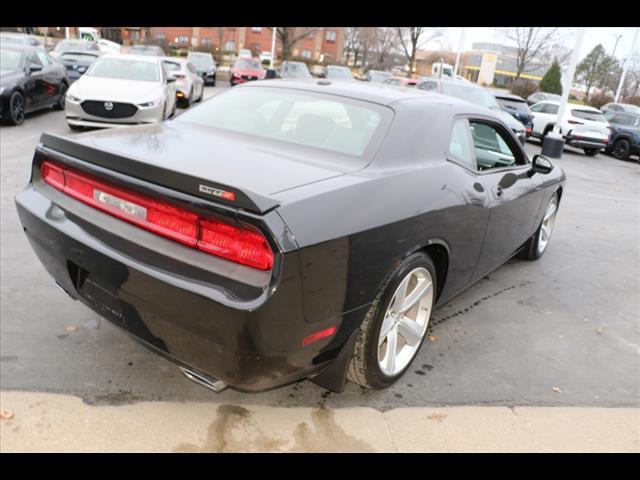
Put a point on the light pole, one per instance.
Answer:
(626, 65)
(273, 47)
(613, 55)
(460, 47)
(553, 143)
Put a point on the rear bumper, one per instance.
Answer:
(252, 343)
(585, 142)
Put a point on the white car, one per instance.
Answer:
(108, 46)
(581, 126)
(265, 57)
(245, 53)
(189, 85)
(121, 90)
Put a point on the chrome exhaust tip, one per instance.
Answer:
(205, 380)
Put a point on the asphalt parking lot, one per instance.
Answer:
(561, 331)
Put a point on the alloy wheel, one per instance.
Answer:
(621, 149)
(17, 109)
(405, 321)
(548, 221)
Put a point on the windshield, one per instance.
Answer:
(124, 69)
(339, 72)
(298, 69)
(473, 95)
(248, 63)
(379, 76)
(201, 61)
(320, 121)
(69, 45)
(589, 115)
(10, 59)
(11, 40)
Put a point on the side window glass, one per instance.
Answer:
(34, 60)
(460, 145)
(491, 148)
(537, 107)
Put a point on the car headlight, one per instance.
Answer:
(73, 98)
(153, 103)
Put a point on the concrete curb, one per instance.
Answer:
(44, 422)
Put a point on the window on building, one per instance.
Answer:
(160, 37)
(256, 29)
(306, 53)
(206, 41)
(135, 35)
(183, 40)
(230, 46)
(331, 36)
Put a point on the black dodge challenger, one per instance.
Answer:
(288, 229)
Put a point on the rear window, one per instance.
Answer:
(10, 59)
(72, 57)
(248, 63)
(515, 105)
(589, 115)
(320, 121)
(475, 95)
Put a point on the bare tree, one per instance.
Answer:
(531, 43)
(412, 38)
(220, 39)
(290, 36)
(352, 44)
(386, 40)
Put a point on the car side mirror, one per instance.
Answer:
(171, 79)
(34, 68)
(541, 164)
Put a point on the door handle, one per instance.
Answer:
(498, 191)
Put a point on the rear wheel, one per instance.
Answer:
(537, 244)
(213, 84)
(591, 152)
(395, 325)
(189, 101)
(621, 149)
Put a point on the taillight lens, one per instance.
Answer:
(238, 244)
(575, 122)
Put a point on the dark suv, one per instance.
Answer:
(518, 107)
(625, 134)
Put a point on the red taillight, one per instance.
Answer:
(575, 122)
(241, 245)
(314, 337)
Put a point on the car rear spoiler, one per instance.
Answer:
(188, 184)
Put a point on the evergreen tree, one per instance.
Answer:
(551, 82)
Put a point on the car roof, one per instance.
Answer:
(203, 54)
(509, 96)
(374, 93)
(21, 48)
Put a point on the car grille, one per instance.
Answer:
(248, 77)
(99, 109)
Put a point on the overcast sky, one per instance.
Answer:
(593, 36)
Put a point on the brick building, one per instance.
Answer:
(326, 43)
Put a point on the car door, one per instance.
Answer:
(544, 113)
(51, 77)
(515, 195)
(35, 90)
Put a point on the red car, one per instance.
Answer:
(246, 70)
(402, 81)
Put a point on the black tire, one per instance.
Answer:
(201, 95)
(63, 92)
(213, 84)
(621, 149)
(15, 113)
(531, 251)
(189, 101)
(591, 152)
(364, 369)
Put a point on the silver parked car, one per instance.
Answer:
(8, 39)
(189, 85)
(75, 45)
(121, 90)
(205, 66)
(338, 72)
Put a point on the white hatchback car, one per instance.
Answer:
(189, 85)
(581, 126)
(121, 90)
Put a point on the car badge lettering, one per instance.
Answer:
(217, 193)
(108, 106)
(122, 205)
